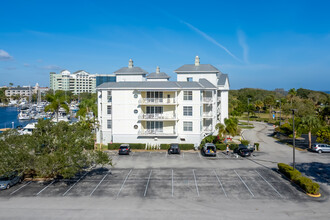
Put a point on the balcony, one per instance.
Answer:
(207, 115)
(157, 101)
(153, 117)
(218, 98)
(155, 132)
(207, 129)
(207, 99)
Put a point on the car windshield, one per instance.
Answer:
(210, 148)
(123, 147)
(4, 178)
(174, 146)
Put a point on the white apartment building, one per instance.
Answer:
(141, 108)
(77, 82)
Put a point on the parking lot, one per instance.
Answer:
(214, 182)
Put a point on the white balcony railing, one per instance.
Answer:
(155, 132)
(157, 116)
(219, 99)
(207, 129)
(207, 99)
(207, 114)
(162, 101)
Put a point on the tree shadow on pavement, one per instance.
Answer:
(320, 172)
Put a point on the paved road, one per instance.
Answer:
(314, 165)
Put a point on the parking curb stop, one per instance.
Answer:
(315, 196)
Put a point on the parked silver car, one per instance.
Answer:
(321, 148)
(10, 179)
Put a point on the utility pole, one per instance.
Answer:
(280, 110)
(294, 138)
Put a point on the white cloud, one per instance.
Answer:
(51, 67)
(4, 55)
(245, 47)
(210, 39)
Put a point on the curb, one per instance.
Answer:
(314, 196)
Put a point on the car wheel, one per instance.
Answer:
(319, 151)
(8, 186)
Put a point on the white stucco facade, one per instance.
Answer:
(161, 111)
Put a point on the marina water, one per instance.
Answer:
(9, 115)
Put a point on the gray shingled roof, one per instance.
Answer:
(222, 79)
(202, 84)
(160, 75)
(131, 71)
(190, 68)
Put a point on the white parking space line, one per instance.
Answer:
(122, 186)
(172, 184)
(269, 184)
(20, 187)
(45, 187)
(132, 154)
(244, 183)
(99, 183)
(220, 183)
(145, 191)
(182, 155)
(74, 184)
(199, 154)
(166, 154)
(196, 183)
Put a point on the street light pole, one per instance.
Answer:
(294, 138)
(248, 111)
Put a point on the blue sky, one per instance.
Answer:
(260, 44)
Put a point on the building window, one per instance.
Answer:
(187, 110)
(154, 126)
(135, 111)
(109, 96)
(136, 127)
(187, 126)
(109, 110)
(154, 110)
(109, 124)
(187, 95)
(189, 79)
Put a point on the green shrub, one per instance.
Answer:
(164, 146)
(233, 146)
(245, 142)
(221, 146)
(304, 182)
(115, 146)
(186, 146)
(256, 145)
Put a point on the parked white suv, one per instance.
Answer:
(320, 148)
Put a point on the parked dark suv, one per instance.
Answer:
(243, 150)
(209, 149)
(174, 149)
(124, 149)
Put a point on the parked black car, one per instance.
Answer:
(209, 149)
(174, 149)
(243, 150)
(124, 149)
(10, 179)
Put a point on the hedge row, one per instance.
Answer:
(305, 183)
(224, 146)
(115, 146)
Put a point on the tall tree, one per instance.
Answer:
(310, 122)
(231, 126)
(291, 94)
(269, 101)
(258, 104)
(221, 129)
(56, 102)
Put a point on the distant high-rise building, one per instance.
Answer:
(77, 82)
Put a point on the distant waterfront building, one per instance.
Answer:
(148, 108)
(21, 91)
(77, 82)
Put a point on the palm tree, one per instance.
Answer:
(310, 122)
(231, 126)
(221, 129)
(86, 106)
(56, 102)
(291, 94)
(259, 104)
(269, 101)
